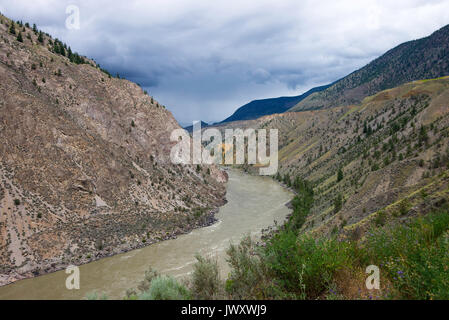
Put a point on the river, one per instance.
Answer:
(253, 204)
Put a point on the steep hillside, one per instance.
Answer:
(84, 161)
(259, 108)
(392, 152)
(420, 59)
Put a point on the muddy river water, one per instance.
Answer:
(253, 203)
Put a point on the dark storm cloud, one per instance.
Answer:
(203, 59)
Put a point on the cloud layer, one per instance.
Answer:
(203, 59)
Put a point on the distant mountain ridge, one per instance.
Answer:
(190, 128)
(425, 58)
(258, 108)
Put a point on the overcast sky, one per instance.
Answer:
(204, 59)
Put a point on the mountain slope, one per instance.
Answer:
(259, 108)
(419, 59)
(85, 168)
(392, 150)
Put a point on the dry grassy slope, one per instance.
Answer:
(377, 174)
(84, 164)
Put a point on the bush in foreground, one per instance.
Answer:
(206, 282)
(415, 256)
(165, 288)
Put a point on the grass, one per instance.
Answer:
(428, 80)
(415, 256)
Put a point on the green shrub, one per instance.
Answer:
(304, 266)
(415, 256)
(165, 288)
(338, 203)
(248, 277)
(150, 274)
(206, 282)
(301, 204)
(380, 218)
(404, 207)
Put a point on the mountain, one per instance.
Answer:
(259, 108)
(372, 185)
(190, 128)
(85, 168)
(392, 150)
(419, 59)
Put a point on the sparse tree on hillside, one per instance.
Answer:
(19, 37)
(339, 175)
(423, 137)
(61, 49)
(12, 28)
(338, 203)
(40, 38)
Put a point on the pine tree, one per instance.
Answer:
(40, 38)
(19, 37)
(61, 49)
(338, 203)
(56, 46)
(12, 28)
(34, 28)
(339, 175)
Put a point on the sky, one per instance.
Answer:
(203, 59)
